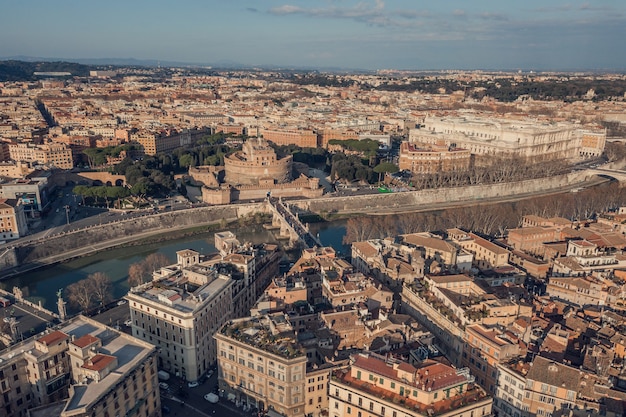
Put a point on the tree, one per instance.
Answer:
(136, 274)
(80, 294)
(101, 287)
(186, 160)
(386, 167)
(156, 261)
(141, 272)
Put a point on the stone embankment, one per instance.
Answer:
(429, 199)
(64, 246)
(89, 240)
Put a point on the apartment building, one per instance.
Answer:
(52, 154)
(433, 159)
(484, 348)
(531, 239)
(12, 220)
(154, 143)
(376, 385)
(487, 255)
(389, 262)
(305, 138)
(261, 364)
(180, 310)
(580, 291)
(510, 397)
(82, 368)
(354, 288)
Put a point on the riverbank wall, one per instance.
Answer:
(427, 199)
(57, 248)
(77, 243)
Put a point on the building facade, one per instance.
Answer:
(261, 364)
(81, 369)
(375, 385)
(179, 311)
(432, 159)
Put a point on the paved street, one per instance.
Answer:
(190, 402)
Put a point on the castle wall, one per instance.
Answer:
(244, 172)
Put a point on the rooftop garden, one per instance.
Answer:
(257, 334)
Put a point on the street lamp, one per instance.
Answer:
(67, 213)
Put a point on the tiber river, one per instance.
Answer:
(42, 285)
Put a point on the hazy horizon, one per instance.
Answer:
(344, 34)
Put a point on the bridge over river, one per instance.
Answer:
(290, 224)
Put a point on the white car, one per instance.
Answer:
(121, 302)
(212, 398)
(128, 323)
(192, 384)
(163, 385)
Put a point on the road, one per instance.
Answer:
(189, 402)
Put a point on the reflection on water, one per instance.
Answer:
(42, 285)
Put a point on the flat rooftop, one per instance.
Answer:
(271, 333)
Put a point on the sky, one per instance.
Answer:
(346, 34)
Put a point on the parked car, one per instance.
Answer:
(121, 302)
(128, 322)
(163, 385)
(192, 384)
(212, 398)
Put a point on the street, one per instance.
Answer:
(189, 402)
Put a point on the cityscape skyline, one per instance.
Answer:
(368, 35)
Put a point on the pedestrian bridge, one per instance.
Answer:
(290, 224)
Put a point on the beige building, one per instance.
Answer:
(376, 385)
(304, 138)
(81, 369)
(53, 154)
(13, 223)
(180, 310)
(487, 255)
(261, 364)
(529, 138)
(484, 348)
(432, 159)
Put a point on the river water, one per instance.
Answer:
(42, 285)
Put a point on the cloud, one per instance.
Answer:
(459, 13)
(371, 13)
(365, 12)
(494, 16)
(252, 9)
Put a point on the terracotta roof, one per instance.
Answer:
(429, 242)
(99, 362)
(443, 279)
(53, 338)
(488, 245)
(85, 341)
(365, 248)
(553, 373)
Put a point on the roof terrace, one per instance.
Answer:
(271, 333)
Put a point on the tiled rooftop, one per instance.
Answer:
(473, 395)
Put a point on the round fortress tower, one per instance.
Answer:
(256, 160)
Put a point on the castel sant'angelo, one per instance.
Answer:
(251, 174)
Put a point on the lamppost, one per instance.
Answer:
(67, 213)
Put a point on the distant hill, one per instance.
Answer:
(25, 71)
